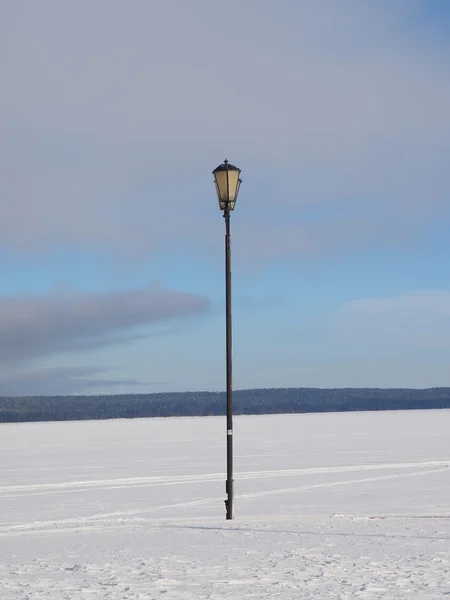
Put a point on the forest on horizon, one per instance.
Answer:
(245, 402)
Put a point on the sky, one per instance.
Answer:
(113, 116)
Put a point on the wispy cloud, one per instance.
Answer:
(35, 327)
(63, 380)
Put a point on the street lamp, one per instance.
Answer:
(228, 182)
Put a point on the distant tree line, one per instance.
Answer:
(245, 402)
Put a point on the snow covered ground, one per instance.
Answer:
(349, 505)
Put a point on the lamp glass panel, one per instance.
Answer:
(221, 185)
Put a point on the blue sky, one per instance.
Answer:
(112, 117)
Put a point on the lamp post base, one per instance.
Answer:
(229, 502)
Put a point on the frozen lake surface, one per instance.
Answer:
(347, 505)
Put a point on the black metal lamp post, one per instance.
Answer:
(228, 182)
